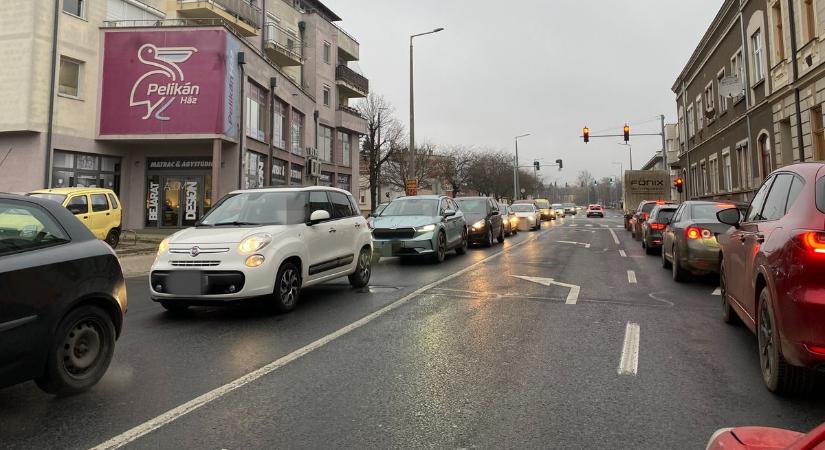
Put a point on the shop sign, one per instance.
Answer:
(191, 200)
(195, 163)
(153, 202)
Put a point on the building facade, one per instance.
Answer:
(749, 99)
(174, 103)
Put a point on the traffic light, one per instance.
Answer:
(537, 165)
(560, 163)
(626, 132)
(679, 184)
(586, 134)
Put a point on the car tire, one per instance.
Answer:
(80, 353)
(462, 248)
(679, 274)
(441, 248)
(648, 249)
(113, 238)
(363, 269)
(175, 307)
(779, 376)
(501, 235)
(488, 238)
(728, 314)
(665, 262)
(287, 287)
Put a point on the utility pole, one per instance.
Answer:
(411, 161)
(515, 168)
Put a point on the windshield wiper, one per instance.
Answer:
(235, 224)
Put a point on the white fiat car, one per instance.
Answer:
(266, 243)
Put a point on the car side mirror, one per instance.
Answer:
(449, 213)
(730, 216)
(317, 216)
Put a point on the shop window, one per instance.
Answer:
(325, 143)
(256, 100)
(296, 175)
(346, 148)
(345, 183)
(71, 169)
(280, 124)
(254, 170)
(297, 138)
(279, 172)
(325, 179)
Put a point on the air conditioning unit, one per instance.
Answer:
(314, 168)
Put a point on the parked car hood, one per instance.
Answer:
(221, 235)
(525, 214)
(404, 221)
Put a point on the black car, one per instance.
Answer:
(62, 300)
(653, 228)
(483, 219)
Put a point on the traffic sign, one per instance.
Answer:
(412, 187)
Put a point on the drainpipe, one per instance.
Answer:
(795, 68)
(242, 140)
(687, 141)
(745, 66)
(315, 116)
(50, 126)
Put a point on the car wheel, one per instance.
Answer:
(488, 238)
(501, 235)
(779, 376)
(113, 238)
(441, 248)
(363, 270)
(728, 314)
(462, 249)
(175, 307)
(679, 274)
(287, 287)
(648, 250)
(80, 353)
(665, 262)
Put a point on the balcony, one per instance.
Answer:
(348, 47)
(351, 84)
(281, 46)
(242, 15)
(350, 119)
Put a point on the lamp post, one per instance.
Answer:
(515, 168)
(411, 162)
(621, 177)
(629, 147)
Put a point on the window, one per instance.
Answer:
(113, 201)
(325, 143)
(778, 33)
(326, 95)
(327, 52)
(681, 124)
(280, 124)
(70, 169)
(765, 156)
(709, 97)
(727, 170)
(341, 205)
(785, 142)
(296, 175)
(346, 148)
(69, 80)
(27, 227)
(78, 204)
(694, 181)
(743, 166)
(256, 101)
(756, 47)
(127, 10)
(99, 203)
(777, 200)
(690, 120)
(713, 173)
(75, 7)
(736, 69)
(345, 182)
(704, 187)
(253, 169)
(818, 133)
(260, 208)
(297, 133)
(723, 101)
(796, 189)
(325, 179)
(318, 201)
(700, 114)
(809, 26)
(755, 209)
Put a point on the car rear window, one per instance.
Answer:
(820, 194)
(705, 212)
(647, 207)
(665, 214)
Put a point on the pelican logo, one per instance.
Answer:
(195, 251)
(165, 82)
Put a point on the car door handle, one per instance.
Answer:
(760, 238)
(357, 225)
(332, 230)
(742, 238)
(85, 217)
(108, 214)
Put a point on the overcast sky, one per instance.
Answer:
(547, 67)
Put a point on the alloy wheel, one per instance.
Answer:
(766, 341)
(364, 265)
(289, 287)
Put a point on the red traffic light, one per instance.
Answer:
(586, 134)
(679, 183)
(626, 132)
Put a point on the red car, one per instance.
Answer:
(763, 438)
(595, 210)
(772, 267)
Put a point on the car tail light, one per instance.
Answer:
(812, 241)
(697, 233)
(818, 349)
(657, 226)
(645, 216)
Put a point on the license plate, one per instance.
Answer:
(185, 282)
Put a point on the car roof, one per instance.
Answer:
(72, 190)
(290, 189)
(425, 197)
(471, 198)
(76, 229)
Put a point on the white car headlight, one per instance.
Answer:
(479, 225)
(163, 247)
(426, 228)
(252, 244)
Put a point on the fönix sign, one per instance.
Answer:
(169, 82)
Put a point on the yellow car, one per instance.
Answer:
(98, 209)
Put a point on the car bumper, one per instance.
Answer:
(593, 214)
(653, 240)
(802, 315)
(421, 245)
(475, 236)
(701, 258)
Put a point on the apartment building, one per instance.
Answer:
(173, 103)
(750, 98)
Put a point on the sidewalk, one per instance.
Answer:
(137, 250)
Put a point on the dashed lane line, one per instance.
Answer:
(622, 252)
(718, 291)
(631, 277)
(615, 238)
(629, 362)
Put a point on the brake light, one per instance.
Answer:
(657, 226)
(815, 349)
(696, 233)
(813, 241)
(645, 216)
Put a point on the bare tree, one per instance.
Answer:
(455, 166)
(396, 172)
(491, 173)
(384, 138)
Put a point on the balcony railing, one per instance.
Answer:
(353, 79)
(285, 48)
(245, 10)
(351, 110)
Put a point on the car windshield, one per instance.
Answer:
(544, 204)
(258, 208)
(59, 198)
(569, 205)
(472, 205)
(380, 209)
(411, 207)
(523, 207)
(557, 206)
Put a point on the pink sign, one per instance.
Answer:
(169, 82)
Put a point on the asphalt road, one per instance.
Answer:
(460, 355)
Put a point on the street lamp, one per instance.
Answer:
(515, 167)
(629, 147)
(621, 177)
(411, 164)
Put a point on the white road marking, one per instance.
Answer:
(575, 243)
(622, 252)
(629, 363)
(176, 413)
(631, 277)
(572, 297)
(605, 226)
(718, 291)
(615, 238)
(589, 225)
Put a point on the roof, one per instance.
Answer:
(71, 190)
(706, 38)
(331, 16)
